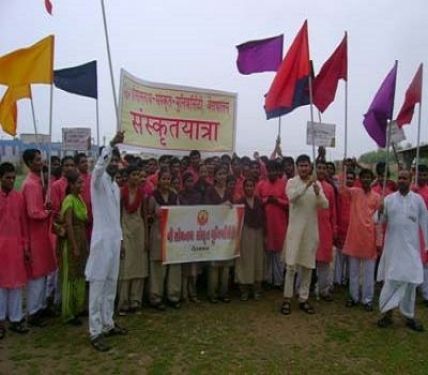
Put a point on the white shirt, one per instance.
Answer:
(104, 257)
(404, 216)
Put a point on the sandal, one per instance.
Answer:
(306, 307)
(286, 308)
(18, 327)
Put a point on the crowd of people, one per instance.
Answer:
(89, 242)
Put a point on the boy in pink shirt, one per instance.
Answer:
(13, 250)
(360, 242)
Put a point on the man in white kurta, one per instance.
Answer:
(305, 196)
(102, 268)
(401, 266)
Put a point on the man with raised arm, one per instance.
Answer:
(306, 196)
(102, 268)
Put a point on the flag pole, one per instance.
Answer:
(97, 109)
(110, 63)
(36, 133)
(319, 117)
(48, 193)
(345, 152)
(388, 144)
(419, 132)
(279, 127)
(33, 113)
(312, 117)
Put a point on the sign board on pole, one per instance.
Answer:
(397, 133)
(76, 139)
(321, 134)
(170, 117)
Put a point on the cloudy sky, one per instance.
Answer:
(191, 42)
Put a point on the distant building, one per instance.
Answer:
(11, 150)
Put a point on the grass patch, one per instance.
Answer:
(236, 338)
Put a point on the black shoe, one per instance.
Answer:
(368, 307)
(385, 321)
(19, 327)
(116, 331)
(327, 297)
(175, 304)
(99, 344)
(351, 303)
(414, 325)
(36, 320)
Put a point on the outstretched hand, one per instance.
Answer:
(118, 138)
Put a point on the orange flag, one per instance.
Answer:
(8, 107)
(28, 65)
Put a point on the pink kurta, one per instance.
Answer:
(343, 216)
(361, 237)
(38, 220)
(58, 189)
(327, 225)
(148, 189)
(153, 179)
(276, 214)
(238, 193)
(13, 240)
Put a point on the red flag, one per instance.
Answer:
(335, 68)
(290, 87)
(48, 6)
(413, 96)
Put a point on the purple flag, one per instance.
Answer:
(258, 56)
(380, 111)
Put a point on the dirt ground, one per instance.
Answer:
(237, 338)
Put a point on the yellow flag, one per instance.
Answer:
(8, 108)
(28, 65)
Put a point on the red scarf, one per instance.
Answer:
(134, 206)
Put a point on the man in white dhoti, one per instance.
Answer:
(400, 267)
(305, 195)
(102, 268)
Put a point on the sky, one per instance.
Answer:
(192, 43)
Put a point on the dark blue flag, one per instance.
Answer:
(80, 80)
